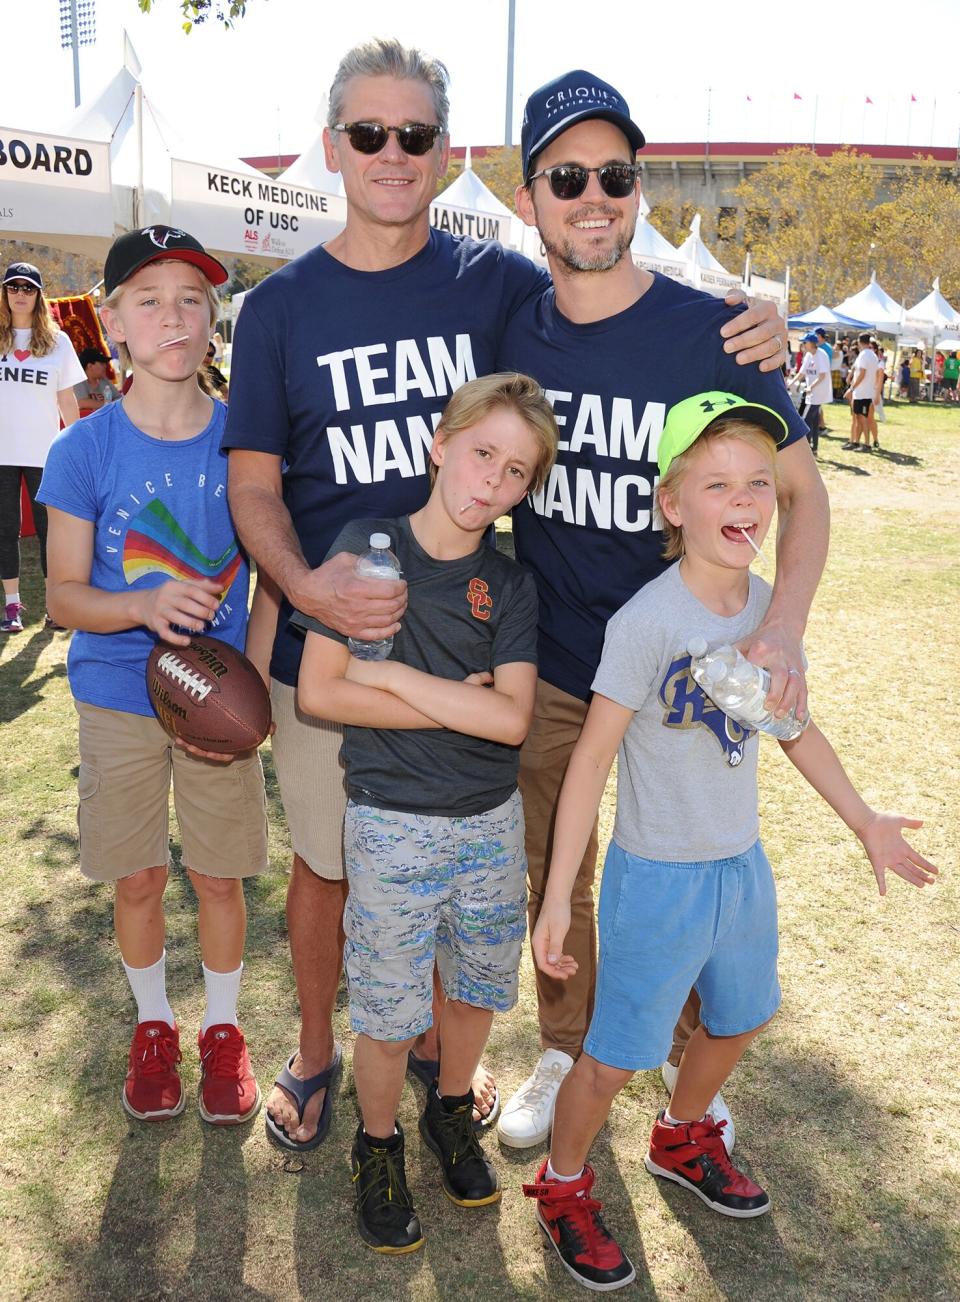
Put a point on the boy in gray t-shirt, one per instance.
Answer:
(688, 897)
(433, 834)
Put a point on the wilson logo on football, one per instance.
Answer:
(174, 668)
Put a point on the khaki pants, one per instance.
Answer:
(566, 1007)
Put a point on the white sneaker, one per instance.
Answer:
(717, 1109)
(527, 1117)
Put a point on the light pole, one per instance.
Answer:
(78, 26)
(511, 26)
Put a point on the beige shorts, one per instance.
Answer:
(306, 756)
(126, 762)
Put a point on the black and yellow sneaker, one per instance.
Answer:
(385, 1215)
(469, 1177)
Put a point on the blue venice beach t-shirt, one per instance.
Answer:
(159, 511)
(590, 536)
(344, 374)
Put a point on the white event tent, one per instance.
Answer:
(705, 271)
(649, 249)
(932, 318)
(469, 207)
(875, 305)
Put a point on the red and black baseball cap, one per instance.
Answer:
(157, 244)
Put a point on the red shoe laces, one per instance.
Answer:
(590, 1236)
(159, 1055)
(223, 1056)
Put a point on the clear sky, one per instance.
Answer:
(256, 90)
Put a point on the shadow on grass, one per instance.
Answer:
(17, 694)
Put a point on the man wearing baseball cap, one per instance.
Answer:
(814, 370)
(329, 416)
(615, 347)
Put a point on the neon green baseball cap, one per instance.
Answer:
(687, 420)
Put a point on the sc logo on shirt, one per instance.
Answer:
(478, 594)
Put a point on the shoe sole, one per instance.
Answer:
(230, 1119)
(455, 1198)
(166, 1115)
(740, 1214)
(586, 1283)
(527, 1141)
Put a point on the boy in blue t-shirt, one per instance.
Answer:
(433, 837)
(688, 897)
(142, 548)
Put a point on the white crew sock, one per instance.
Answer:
(551, 1174)
(223, 990)
(11, 598)
(149, 986)
(672, 1121)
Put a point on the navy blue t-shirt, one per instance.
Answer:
(344, 374)
(590, 536)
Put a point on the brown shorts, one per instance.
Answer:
(306, 756)
(126, 762)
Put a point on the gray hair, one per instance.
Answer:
(385, 57)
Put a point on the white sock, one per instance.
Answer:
(223, 990)
(551, 1174)
(12, 598)
(149, 986)
(672, 1121)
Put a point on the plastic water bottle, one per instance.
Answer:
(740, 688)
(377, 563)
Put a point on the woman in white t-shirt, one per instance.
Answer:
(38, 369)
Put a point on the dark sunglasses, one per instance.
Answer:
(17, 287)
(569, 180)
(415, 138)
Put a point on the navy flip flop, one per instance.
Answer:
(426, 1071)
(302, 1092)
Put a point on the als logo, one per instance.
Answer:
(687, 706)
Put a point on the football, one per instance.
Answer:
(208, 694)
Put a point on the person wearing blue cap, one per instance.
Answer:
(814, 370)
(614, 347)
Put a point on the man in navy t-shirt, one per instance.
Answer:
(614, 347)
(342, 363)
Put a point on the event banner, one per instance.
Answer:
(464, 221)
(676, 269)
(237, 212)
(54, 185)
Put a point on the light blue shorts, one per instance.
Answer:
(666, 928)
(425, 887)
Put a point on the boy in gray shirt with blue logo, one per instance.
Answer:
(688, 897)
(433, 835)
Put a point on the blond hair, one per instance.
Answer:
(724, 428)
(508, 391)
(112, 302)
(43, 328)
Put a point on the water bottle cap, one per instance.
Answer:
(697, 647)
(380, 540)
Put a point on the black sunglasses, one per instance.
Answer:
(17, 287)
(569, 180)
(415, 138)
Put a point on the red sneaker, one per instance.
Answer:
(571, 1221)
(694, 1155)
(153, 1090)
(229, 1093)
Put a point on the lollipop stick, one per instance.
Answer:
(753, 545)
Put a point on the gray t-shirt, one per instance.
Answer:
(687, 774)
(462, 617)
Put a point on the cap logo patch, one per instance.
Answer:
(162, 235)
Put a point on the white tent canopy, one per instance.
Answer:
(469, 207)
(933, 315)
(875, 305)
(651, 250)
(311, 170)
(707, 272)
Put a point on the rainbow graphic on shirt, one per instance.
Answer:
(156, 544)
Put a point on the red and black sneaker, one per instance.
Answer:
(153, 1090)
(693, 1155)
(571, 1220)
(229, 1093)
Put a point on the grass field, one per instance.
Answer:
(845, 1109)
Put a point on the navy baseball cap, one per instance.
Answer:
(23, 271)
(134, 250)
(810, 338)
(574, 97)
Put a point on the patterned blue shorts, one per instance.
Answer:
(424, 887)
